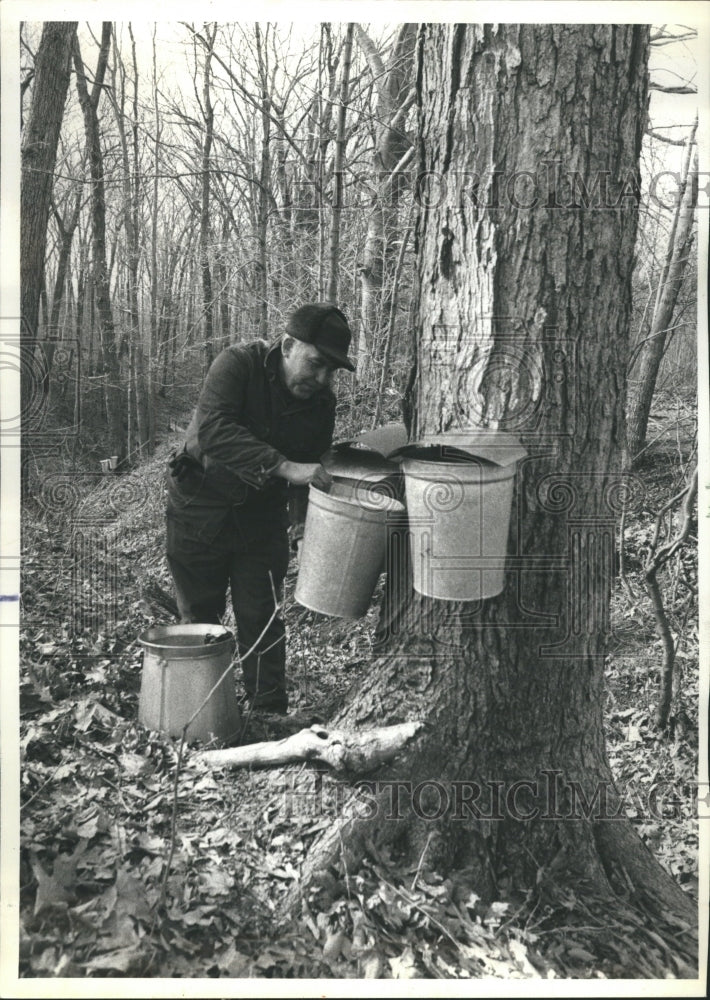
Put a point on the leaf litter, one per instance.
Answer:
(96, 811)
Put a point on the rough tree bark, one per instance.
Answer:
(38, 155)
(522, 324)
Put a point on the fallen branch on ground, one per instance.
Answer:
(343, 751)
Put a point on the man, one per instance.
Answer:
(264, 418)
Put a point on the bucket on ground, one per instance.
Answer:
(181, 665)
(344, 545)
(459, 494)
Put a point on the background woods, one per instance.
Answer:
(183, 188)
(208, 179)
(206, 183)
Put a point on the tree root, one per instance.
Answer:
(634, 871)
(598, 880)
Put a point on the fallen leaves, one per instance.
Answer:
(96, 792)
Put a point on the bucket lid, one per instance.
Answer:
(352, 463)
(497, 447)
(366, 456)
(187, 639)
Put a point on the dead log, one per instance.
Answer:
(355, 752)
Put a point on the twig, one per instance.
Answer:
(421, 909)
(421, 861)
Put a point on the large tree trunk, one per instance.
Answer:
(522, 324)
(38, 155)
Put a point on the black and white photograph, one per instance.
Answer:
(355, 481)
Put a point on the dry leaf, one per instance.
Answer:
(371, 965)
(333, 946)
(403, 966)
(123, 960)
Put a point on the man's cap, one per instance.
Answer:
(326, 328)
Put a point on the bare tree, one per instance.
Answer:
(394, 85)
(113, 381)
(38, 155)
(340, 142)
(654, 335)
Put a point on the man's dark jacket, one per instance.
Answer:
(245, 423)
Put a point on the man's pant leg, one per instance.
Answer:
(264, 671)
(200, 573)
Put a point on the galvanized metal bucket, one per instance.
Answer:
(459, 515)
(181, 665)
(343, 550)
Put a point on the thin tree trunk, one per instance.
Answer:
(144, 389)
(655, 561)
(325, 97)
(395, 96)
(66, 235)
(650, 352)
(38, 157)
(205, 267)
(115, 409)
(138, 392)
(153, 341)
(262, 216)
(340, 142)
(390, 332)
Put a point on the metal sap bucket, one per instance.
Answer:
(343, 550)
(181, 665)
(459, 514)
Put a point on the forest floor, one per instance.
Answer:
(97, 788)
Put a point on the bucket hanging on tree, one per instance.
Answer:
(343, 550)
(459, 490)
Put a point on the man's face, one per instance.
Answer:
(305, 369)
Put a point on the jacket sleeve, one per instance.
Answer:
(298, 495)
(230, 454)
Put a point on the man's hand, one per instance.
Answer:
(303, 473)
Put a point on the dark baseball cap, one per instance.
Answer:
(326, 328)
